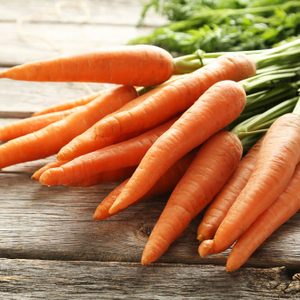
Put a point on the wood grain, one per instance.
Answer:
(55, 223)
(116, 12)
(36, 279)
(35, 41)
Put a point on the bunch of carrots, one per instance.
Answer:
(183, 132)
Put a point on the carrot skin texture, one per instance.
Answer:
(219, 207)
(124, 154)
(32, 124)
(165, 184)
(141, 65)
(49, 140)
(195, 126)
(65, 105)
(286, 205)
(90, 141)
(54, 164)
(208, 172)
(276, 162)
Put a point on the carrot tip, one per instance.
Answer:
(200, 237)
(206, 248)
(100, 214)
(230, 267)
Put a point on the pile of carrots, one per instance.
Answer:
(174, 137)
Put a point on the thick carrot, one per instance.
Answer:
(65, 105)
(124, 154)
(216, 108)
(50, 139)
(53, 164)
(208, 172)
(276, 161)
(165, 184)
(278, 213)
(29, 125)
(140, 65)
(218, 209)
(163, 103)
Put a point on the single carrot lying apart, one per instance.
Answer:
(165, 184)
(140, 65)
(208, 172)
(124, 154)
(218, 209)
(278, 213)
(66, 105)
(216, 108)
(29, 125)
(276, 161)
(50, 139)
(162, 103)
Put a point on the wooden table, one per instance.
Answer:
(49, 245)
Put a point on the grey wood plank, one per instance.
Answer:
(36, 279)
(114, 12)
(55, 223)
(19, 99)
(35, 41)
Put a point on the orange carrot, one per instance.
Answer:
(278, 213)
(165, 184)
(124, 154)
(163, 103)
(216, 108)
(53, 164)
(109, 176)
(276, 161)
(89, 140)
(50, 139)
(29, 125)
(140, 65)
(208, 172)
(218, 209)
(69, 104)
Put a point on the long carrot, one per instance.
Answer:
(50, 139)
(105, 177)
(278, 156)
(124, 154)
(141, 65)
(278, 213)
(216, 108)
(163, 103)
(65, 105)
(29, 125)
(219, 207)
(165, 184)
(208, 172)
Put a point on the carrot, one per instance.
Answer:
(29, 125)
(69, 104)
(163, 103)
(216, 108)
(90, 141)
(124, 154)
(278, 156)
(109, 176)
(208, 172)
(165, 184)
(218, 209)
(286, 205)
(53, 164)
(141, 65)
(50, 139)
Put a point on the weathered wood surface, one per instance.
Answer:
(33, 279)
(55, 223)
(116, 12)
